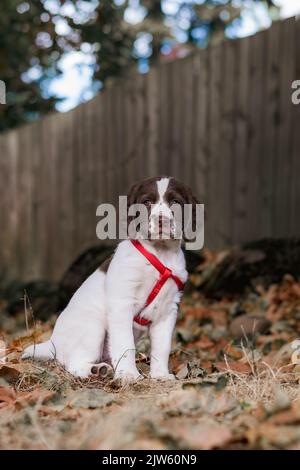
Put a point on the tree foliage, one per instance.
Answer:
(112, 40)
(28, 43)
(31, 46)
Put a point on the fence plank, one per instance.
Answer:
(99, 148)
(25, 181)
(69, 226)
(213, 196)
(228, 130)
(36, 250)
(241, 182)
(175, 154)
(255, 131)
(119, 138)
(199, 150)
(270, 129)
(164, 118)
(9, 206)
(153, 109)
(187, 118)
(283, 174)
(51, 233)
(139, 128)
(295, 160)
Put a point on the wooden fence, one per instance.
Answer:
(221, 120)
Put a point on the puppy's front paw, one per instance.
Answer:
(102, 370)
(162, 376)
(127, 377)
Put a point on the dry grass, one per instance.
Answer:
(147, 414)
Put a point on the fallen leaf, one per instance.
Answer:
(91, 398)
(204, 343)
(243, 368)
(183, 372)
(10, 371)
(181, 402)
(233, 352)
(7, 396)
(205, 434)
(217, 382)
(279, 436)
(35, 336)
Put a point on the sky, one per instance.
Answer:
(74, 85)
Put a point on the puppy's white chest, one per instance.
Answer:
(168, 294)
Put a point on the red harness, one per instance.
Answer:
(165, 274)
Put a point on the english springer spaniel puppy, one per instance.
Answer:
(137, 289)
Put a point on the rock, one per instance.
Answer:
(82, 267)
(91, 398)
(47, 298)
(40, 297)
(262, 262)
(248, 325)
(193, 259)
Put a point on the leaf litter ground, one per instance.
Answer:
(237, 386)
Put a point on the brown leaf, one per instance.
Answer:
(241, 367)
(10, 371)
(233, 352)
(64, 414)
(7, 396)
(204, 343)
(203, 434)
(91, 398)
(275, 435)
(288, 416)
(217, 316)
(35, 336)
(38, 395)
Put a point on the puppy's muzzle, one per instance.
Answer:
(161, 225)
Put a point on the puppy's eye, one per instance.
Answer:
(147, 202)
(174, 201)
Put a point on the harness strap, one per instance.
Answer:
(165, 274)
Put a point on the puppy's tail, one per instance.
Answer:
(42, 351)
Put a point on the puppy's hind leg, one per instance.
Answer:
(87, 355)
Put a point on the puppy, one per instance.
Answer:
(111, 309)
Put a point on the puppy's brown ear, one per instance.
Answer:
(132, 199)
(132, 194)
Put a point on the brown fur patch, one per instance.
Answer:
(105, 265)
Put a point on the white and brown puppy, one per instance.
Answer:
(102, 310)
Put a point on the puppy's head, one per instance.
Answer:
(163, 200)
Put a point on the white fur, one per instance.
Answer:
(161, 209)
(162, 186)
(107, 303)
